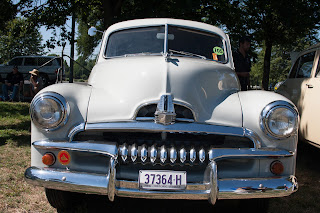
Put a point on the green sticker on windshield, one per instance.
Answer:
(218, 50)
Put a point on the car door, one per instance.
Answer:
(295, 85)
(309, 113)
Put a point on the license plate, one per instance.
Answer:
(162, 180)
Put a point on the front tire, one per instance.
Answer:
(260, 205)
(61, 200)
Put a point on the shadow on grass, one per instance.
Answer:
(17, 140)
(18, 131)
(12, 108)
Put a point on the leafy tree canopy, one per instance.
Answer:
(8, 12)
(20, 37)
(269, 22)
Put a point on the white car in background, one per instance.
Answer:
(162, 117)
(302, 87)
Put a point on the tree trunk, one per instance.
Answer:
(111, 8)
(266, 65)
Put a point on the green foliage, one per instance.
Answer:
(83, 70)
(280, 62)
(20, 37)
(269, 23)
(8, 12)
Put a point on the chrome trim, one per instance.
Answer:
(193, 155)
(183, 155)
(134, 153)
(165, 48)
(163, 154)
(112, 178)
(266, 112)
(153, 154)
(144, 154)
(72, 181)
(123, 150)
(173, 155)
(215, 189)
(214, 154)
(202, 155)
(100, 148)
(112, 151)
(75, 130)
(210, 155)
(177, 127)
(65, 108)
(254, 137)
(185, 105)
(188, 106)
(213, 183)
(220, 154)
(165, 113)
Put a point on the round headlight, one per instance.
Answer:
(49, 111)
(279, 119)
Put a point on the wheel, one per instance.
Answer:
(61, 200)
(45, 79)
(260, 205)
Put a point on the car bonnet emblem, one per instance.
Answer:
(165, 113)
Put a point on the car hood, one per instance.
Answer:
(122, 85)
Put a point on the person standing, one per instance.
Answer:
(242, 62)
(13, 82)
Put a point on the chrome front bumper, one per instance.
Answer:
(211, 189)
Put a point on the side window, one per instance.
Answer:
(30, 62)
(58, 61)
(318, 69)
(294, 69)
(16, 62)
(305, 65)
(42, 61)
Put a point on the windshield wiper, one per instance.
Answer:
(186, 53)
(140, 54)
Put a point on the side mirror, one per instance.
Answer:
(92, 31)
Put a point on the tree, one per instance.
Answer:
(8, 12)
(20, 37)
(269, 22)
(280, 62)
(82, 71)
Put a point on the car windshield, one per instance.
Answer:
(196, 43)
(181, 41)
(135, 41)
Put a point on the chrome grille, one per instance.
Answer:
(163, 155)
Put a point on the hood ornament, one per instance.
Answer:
(165, 113)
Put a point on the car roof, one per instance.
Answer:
(162, 21)
(35, 56)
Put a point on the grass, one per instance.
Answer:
(15, 194)
(18, 196)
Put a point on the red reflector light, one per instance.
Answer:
(48, 159)
(64, 157)
(277, 167)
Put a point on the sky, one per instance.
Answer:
(46, 35)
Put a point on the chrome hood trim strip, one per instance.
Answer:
(109, 149)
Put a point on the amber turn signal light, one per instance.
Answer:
(277, 167)
(48, 159)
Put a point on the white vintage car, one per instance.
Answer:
(162, 117)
